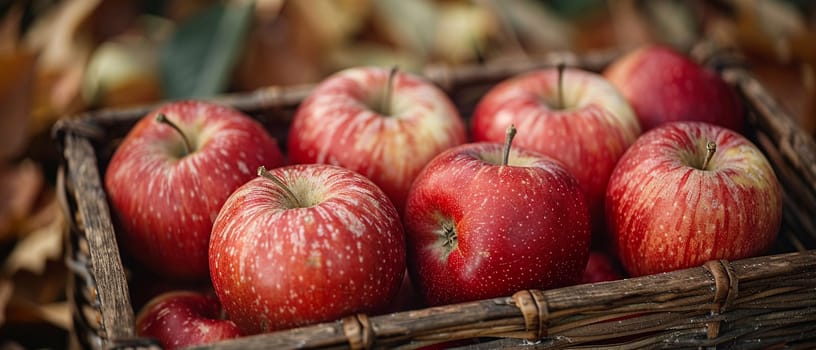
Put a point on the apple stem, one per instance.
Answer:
(263, 172)
(385, 102)
(561, 67)
(711, 147)
(508, 140)
(161, 118)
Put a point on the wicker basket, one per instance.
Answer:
(753, 303)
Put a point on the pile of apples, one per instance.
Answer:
(382, 182)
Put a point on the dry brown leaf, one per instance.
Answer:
(11, 345)
(58, 314)
(37, 248)
(6, 291)
(64, 46)
(792, 86)
(43, 213)
(10, 30)
(673, 22)
(36, 274)
(112, 18)
(16, 90)
(56, 95)
(722, 31)
(371, 54)
(769, 27)
(631, 29)
(58, 35)
(178, 11)
(809, 117)
(39, 298)
(593, 32)
(329, 23)
(529, 26)
(276, 54)
(780, 46)
(267, 10)
(20, 186)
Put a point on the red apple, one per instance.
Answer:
(587, 126)
(384, 128)
(664, 86)
(600, 268)
(305, 244)
(165, 197)
(478, 229)
(669, 208)
(407, 297)
(181, 319)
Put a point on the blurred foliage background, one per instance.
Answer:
(60, 58)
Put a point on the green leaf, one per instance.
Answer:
(199, 58)
(576, 9)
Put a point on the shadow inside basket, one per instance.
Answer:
(752, 303)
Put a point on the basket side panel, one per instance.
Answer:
(793, 142)
(94, 217)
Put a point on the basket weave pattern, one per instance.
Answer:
(752, 303)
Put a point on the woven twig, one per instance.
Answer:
(770, 297)
(799, 200)
(708, 301)
(797, 147)
(94, 220)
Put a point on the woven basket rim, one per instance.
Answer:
(525, 315)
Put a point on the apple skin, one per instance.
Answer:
(665, 213)
(180, 319)
(407, 297)
(339, 124)
(525, 225)
(600, 268)
(587, 137)
(165, 202)
(275, 265)
(664, 86)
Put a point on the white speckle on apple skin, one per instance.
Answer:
(658, 201)
(587, 137)
(337, 125)
(147, 182)
(181, 319)
(517, 229)
(345, 247)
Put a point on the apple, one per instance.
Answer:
(573, 116)
(180, 319)
(689, 192)
(384, 125)
(482, 225)
(664, 86)
(407, 297)
(168, 179)
(304, 244)
(600, 268)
